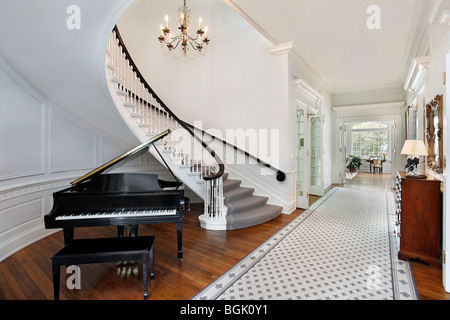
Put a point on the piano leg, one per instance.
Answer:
(133, 230)
(68, 235)
(55, 272)
(179, 239)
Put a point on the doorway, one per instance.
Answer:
(309, 137)
(368, 140)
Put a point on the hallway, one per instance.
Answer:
(370, 181)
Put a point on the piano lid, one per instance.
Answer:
(127, 156)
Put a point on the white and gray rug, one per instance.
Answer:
(343, 247)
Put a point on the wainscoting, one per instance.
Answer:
(43, 149)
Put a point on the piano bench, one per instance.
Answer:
(101, 250)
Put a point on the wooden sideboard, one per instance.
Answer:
(419, 218)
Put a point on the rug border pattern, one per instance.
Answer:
(227, 279)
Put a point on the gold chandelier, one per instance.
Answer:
(184, 19)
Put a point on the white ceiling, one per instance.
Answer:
(333, 38)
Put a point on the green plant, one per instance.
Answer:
(354, 163)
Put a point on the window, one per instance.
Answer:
(370, 138)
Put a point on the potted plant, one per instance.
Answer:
(353, 163)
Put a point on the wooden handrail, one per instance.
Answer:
(281, 176)
(163, 105)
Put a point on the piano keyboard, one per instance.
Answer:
(116, 214)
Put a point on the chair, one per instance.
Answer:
(377, 164)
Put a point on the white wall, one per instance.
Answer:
(238, 84)
(42, 149)
(436, 64)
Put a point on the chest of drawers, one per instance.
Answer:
(419, 219)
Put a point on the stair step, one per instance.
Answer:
(244, 205)
(121, 93)
(230, 184)
(111, 67)
(253, 217)
(237, 193)
(128, 104)
(115, 80)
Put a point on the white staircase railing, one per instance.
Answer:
(187, 156)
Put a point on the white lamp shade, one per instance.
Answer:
(414, 148)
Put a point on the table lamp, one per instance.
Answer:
(414, 149)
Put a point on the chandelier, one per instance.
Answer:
(184, 19)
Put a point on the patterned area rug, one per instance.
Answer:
(343, 247)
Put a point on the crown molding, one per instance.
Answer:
(281, 49)
(359, 107)
(416, 73)
(304, 88)
(298, 65)
(252, 22)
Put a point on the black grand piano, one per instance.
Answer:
(118, 199)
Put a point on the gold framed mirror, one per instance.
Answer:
(433, 134)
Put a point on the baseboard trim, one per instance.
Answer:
(22, 240)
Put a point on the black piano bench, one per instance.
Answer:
(104, 250)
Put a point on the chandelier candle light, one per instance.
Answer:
(184, 19)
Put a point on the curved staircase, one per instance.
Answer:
(228, 203)
(244, 208)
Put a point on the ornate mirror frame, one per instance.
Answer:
(434, 130)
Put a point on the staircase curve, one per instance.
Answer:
(232, 198)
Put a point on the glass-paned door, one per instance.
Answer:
(342, 152)
(316, 147)
(392, 154)
(302, 158)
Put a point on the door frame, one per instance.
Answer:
(395, 139)
(303, 201)
(446, 189)
(317, 190)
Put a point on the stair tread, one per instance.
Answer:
(237, 193)
(230, 184)
(253, 217)
(228, 181)
(246, 204)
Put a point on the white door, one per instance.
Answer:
(302, 138)
(316, 155)
(393, 151)
(342, 152)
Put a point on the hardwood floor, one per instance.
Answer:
(26, 275)
(207, 255)
(428, 280)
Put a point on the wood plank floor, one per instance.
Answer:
(428, 280)
(207, 254)
(26, 275)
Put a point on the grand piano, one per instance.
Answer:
(118, 199)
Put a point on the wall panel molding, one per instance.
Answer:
(72, 146)
(22, 149)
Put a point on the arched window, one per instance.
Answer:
(370, 138)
